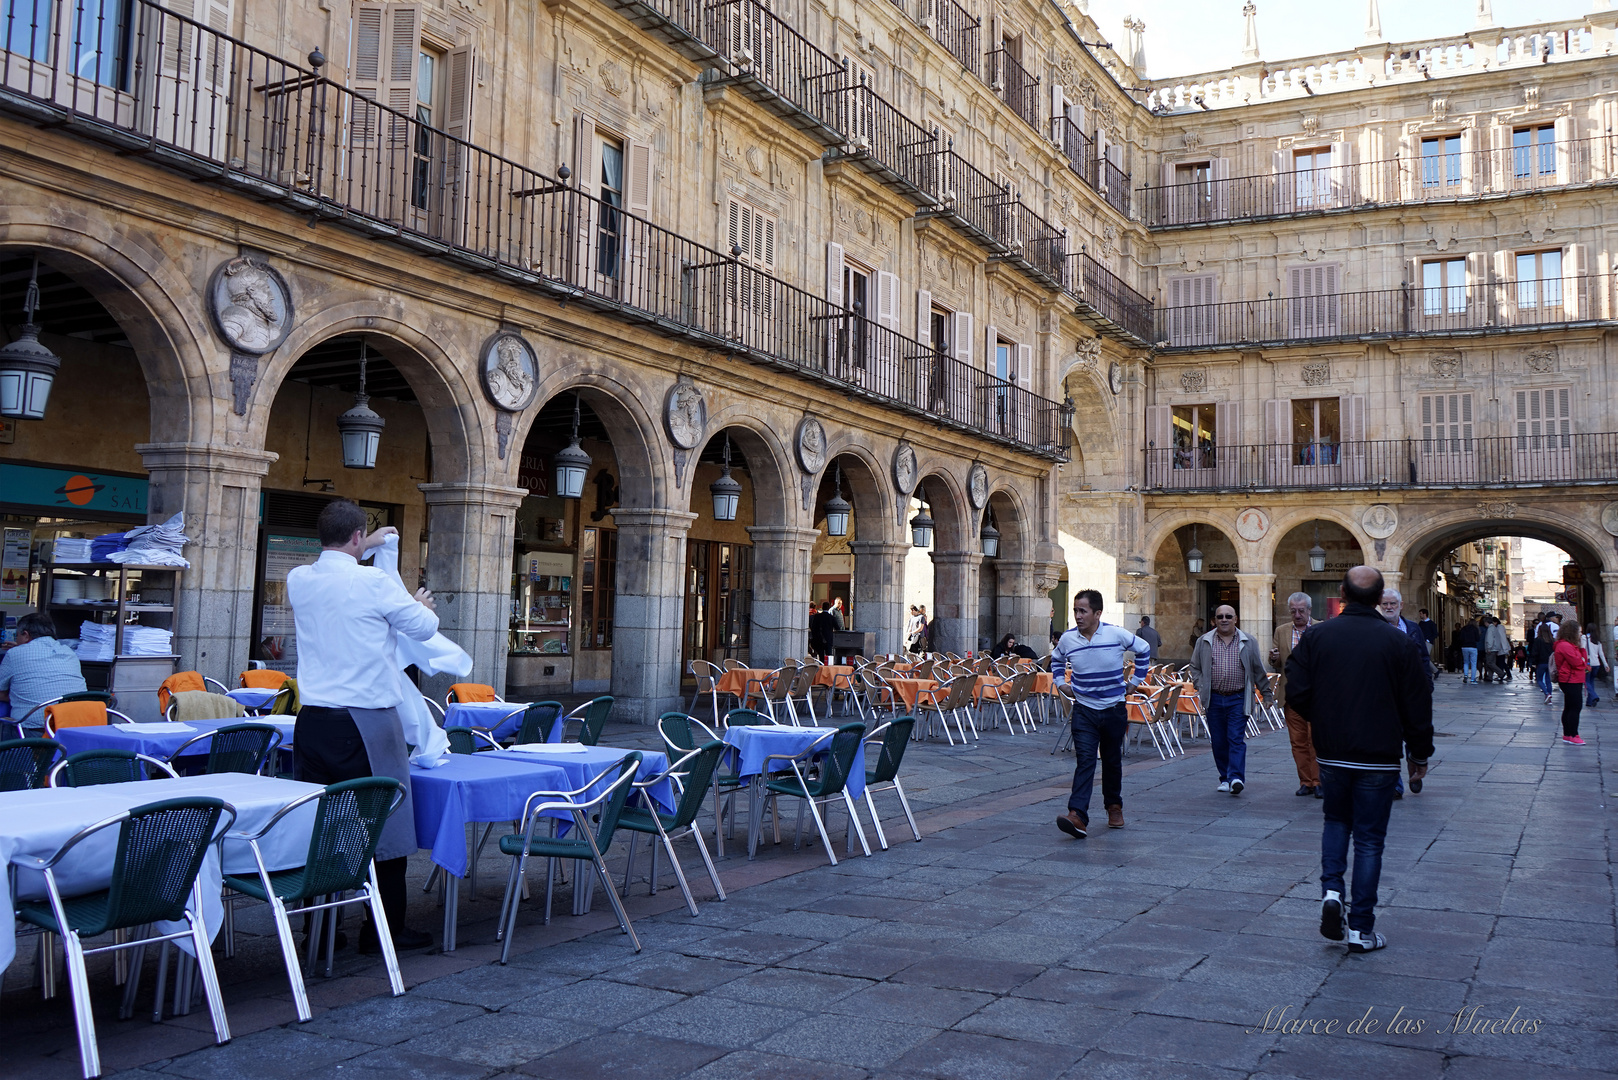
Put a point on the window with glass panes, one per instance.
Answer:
(421, 175)
(1311, 175)
(1441, 161)
(598, 587)
(1533, 151)
(1539, 279)
(1443, 287)
(1316, 430)
(609, 235)
(1195, 436)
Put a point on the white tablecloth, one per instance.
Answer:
(34, 824)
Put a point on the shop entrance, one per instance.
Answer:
(718, 600)
(1216, 592)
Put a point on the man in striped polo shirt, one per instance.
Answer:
(1090, 659)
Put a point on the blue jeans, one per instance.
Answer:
(1469, 663)
(1357, 803)
(1227, 730)
(1101, 729)
(1542, 678)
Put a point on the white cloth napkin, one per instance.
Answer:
(438, 655)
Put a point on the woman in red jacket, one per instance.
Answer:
(1570, 666)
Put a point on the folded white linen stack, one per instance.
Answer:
(70, 549)
(96, 641)
(155, 545)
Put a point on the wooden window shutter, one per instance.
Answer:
(1425, 420)
(586, 155)
(402, 46)
(366, 75)
(924, 318)
(458, 93)
(1575, 286)
(1025, 366)
(176, 38)
(963, 336)
(638, 179)
(1159, 426)
(887, 300)
(834, 274)
(1560, 413)
(1351, 408)
(1565, 130)
(991, 341)
(1058, 111)
(1278, 422)
(764, 240)
(1228, 425)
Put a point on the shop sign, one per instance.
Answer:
(531, 474)
(67, 491)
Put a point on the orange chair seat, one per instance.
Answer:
(264, 679)
(178, 683)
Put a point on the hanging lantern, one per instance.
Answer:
(726, 491)
(1317, 555)
(572, 463)
(360, 427)
(1193, 558)
(838, 508)
(990, 537)
(921, 528)
(27, 368)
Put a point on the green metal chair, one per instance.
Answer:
(94, 767)
(25, 764)
(468, 740)
(582, 846)
(160, 849)
(537, 721)
(890, 741)
(683, 734)
(694, 773)
(592, 717)
(836, 750)
(750, 718)
(342, 843)
(237, 748)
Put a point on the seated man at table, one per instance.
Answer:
(37, 669)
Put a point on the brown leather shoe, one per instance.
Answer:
(1073, 825)
(1115, 817)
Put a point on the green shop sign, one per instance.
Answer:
(69, 492)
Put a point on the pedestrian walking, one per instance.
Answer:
(1598, 663)
(1196, 632)
(1226, 670)
(1429, 631)
(1147, 634)
(1539, 655)
(1300, 607)
(1390, 605)
(1469, 636)
(1571, 669)
(822, 625)
(1090, 659)
(348, 619)
(1367, 697)
(1499, 650)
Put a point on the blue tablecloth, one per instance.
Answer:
(502, 719)
(253, 697)
(754, 743)
(474, 787)
(76, 740)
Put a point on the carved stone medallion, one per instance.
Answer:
(1609, 518)
(509, 371)
(1115, 377)
(904, 468)
(1540, 361)
(1194, 381)
(1497, 509)
(685, 414)
(977, 485)
(1252, 524)
(1380, 521)
(251, 305)
(1447, 364)
(1316, 372)
(1087, 353)
(811, 444)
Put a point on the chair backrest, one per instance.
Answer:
(730, 663)
(803, 680)
(537, 721)
(839, 759)
(160, 849)
(348, 824)
(780, 684)
(464, 692)
(706, 674)
(594, 714)
(681, 733)
(287, 702)
(895, 737)
(460, 740)
(747, 718)
(241, 748)
(94, 767)
(26, 763)
(174, 684)
(66, 714)
(1170, 702)
(264, 678)
(697, 779)
(614, 806)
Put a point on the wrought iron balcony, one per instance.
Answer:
(1402, 312)
(1529, 458)
(1018, 89)
(1114, 186)
(1037, 248)
(1424, 178)
(240, 117)
(778, 67)
(1105, 302)
(973, 203)
(1078, 148)
(953, 27)
(887, 144)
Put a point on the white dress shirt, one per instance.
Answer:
(348, 619)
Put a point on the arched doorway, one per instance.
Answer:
(1186, 597)
(863, 569)
(943, 578)
(719, 578)
(1294, 572)
(1007, 603)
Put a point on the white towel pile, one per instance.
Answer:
(155, 545)
(96, 641)
(68, 549)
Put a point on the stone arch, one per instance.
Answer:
(1095, 409)
(868, 487)
(643, 456)
(1159, 530)
(777, 480)
(1285, 519)
(1018, 532)
(950, 509)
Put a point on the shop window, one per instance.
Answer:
(1317, 431)
(1195, 436)
(1533, 151)
(1441, 161)
(598, 587)
(1443, 287)
(1539, 279)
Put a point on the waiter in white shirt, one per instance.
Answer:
(348, 619)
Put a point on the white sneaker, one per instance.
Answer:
(1370, 941)
(1236, 787)
(1331, 916)
(1224, 785)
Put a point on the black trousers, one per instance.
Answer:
(326, 749)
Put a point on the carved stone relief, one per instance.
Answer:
(1447, 364)
(1497, 509)
(1316, 372)
(1380, 521)
(1194, 381)
(1540, 360)
(1087, 353)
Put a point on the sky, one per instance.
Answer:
(1541, 561)
(1188, 37)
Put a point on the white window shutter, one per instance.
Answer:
(1159, 426)
(991, 339)
(403, 46)
(887, 299)
(1025, 366)
(1219, 172)
(1058, 111)
(1562, 415)
(366, 74)
(458, 94)
(1575, 287)
(834, 274)
(638, 179)
(1342, 173)
(1566, 132)
(586, 154)
(924, 318)
(1425, 418)
(177, 49)
(764, 234)
(1351, 408)
(1278, 422)
(963, 336)
(1469, 162)
(1228, 425)
(1464, 408)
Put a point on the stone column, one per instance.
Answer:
(218, 488)
(955, 595)
(1609, 611)
(879, 589)
(1020, 608)
(782, 556)
(649, 614)
(1255, 613)
(470, 527)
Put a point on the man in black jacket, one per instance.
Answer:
(822, 625)
(1363, 688)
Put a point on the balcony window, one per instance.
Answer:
(1446, 423)
(1533, 152)
(28, 28)
(422, 164)
(1539, 279)
(1441, 161)
(1316, 431)
(610, 231)
(1311, 176)
(1443, 287)
(1195, 436)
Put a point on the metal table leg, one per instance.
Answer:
(452, 909)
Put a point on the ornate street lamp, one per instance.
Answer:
(27, 368)
(838, 508)
(572, 463)
(726, 491)
(921, 526)
(990, 536)
(1193, 558)
(360, 427)
(1317, 555)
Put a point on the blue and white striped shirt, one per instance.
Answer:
(1094, 666)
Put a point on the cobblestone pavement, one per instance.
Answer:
(1184, 945)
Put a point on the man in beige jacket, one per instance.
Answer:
(1299, 607)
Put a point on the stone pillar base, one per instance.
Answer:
(955, 595)
(782, 557)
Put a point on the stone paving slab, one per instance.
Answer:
(998, 947)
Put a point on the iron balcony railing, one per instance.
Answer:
(884, 141)
(214, 108)
(784, 70)
(1540, 456)
(1078, 148)
(1434, 175)
(953, 27)
(1115, 186)
(1103, 294)
(1407, 310)
(1038, 247)
(974, 203)
(1018, 89)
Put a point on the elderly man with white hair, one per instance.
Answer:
(1390, 606)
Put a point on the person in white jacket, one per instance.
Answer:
(1598, 660)
(1497, 646)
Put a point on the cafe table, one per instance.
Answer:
(35, 823)
(735, 681)
(160, 740)
(753, 743)
(253, 697)
(501, 719)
